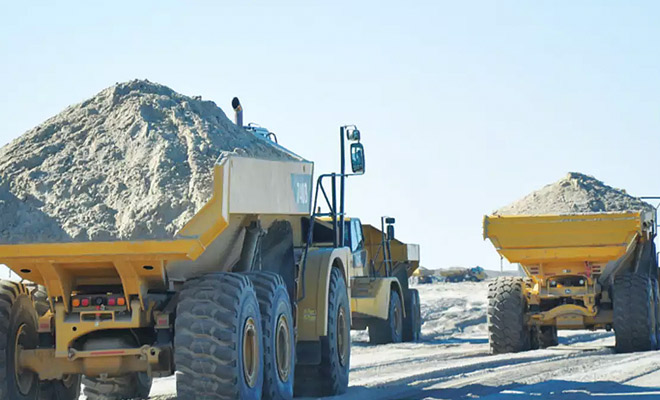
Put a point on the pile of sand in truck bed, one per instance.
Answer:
(576, 193)
(133, 162)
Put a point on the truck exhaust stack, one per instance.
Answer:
(236, 104)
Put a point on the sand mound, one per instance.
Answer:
(133, 162)
(573, 194)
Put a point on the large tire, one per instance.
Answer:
(18, 325)
(634, 313)
(656, 296)
(330, 378)
(61, 389)
(278, 335)
(547, 336)
(390, 330)
(218, 339)
(507, 332)
(136, 385)
(412, 324)
(66, 389)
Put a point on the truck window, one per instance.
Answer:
(357, 240)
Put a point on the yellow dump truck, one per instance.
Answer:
(241, 303)
(583, 271)
(381, 299)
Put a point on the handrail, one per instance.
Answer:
(331, 203)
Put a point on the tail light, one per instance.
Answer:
(98, 301)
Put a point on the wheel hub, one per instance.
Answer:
(250, 353)
(342, 336)
(283, 348)
(68, 380)
(398, 323)
(24, 379)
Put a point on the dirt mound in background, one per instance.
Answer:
(133, 162)
(576, 193)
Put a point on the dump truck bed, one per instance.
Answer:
(402, 253)
(244, 189)
(525, 239)
(566, 240)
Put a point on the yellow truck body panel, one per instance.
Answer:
(566, 257)
(402, 253)
(590, 237)
(370, 297)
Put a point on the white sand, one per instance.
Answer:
(575, 193)
(133, 162)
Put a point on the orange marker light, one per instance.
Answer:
(75, 303)
(121, 301)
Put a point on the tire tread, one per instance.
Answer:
(507, 332)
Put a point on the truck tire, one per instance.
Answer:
(65, 389)
(330, 378)
(507, 331)
(218, 340)
(61, 389)
(18, 327)
(656, 296)
(136, 385)
(390, 330)
(634, 313)
(412, 324)
(278, 335)
(547, 336)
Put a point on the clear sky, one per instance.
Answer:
(464, 106)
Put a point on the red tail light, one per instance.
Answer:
(85, 302)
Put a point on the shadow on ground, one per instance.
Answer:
(558, 389)
(553, 389)
(585, 337)
(458, 340)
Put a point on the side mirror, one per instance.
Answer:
(357, 158)
(390, 232)
(353, 134)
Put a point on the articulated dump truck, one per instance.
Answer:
(583, 271)
(241, 303)
(381, 299)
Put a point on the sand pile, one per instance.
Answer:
(133, 162)
(575, 193)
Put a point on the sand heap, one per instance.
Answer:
(133, 162)
(573, 194)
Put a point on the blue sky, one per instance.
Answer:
(464, 106)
